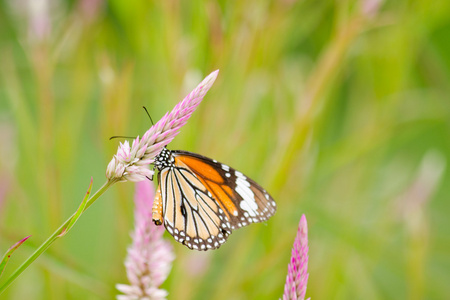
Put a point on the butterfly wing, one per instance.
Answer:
(243, 200)
(204, 200)
(190, 213)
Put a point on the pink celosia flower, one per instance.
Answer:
(297, 277)
(130, 163)
(150, 257)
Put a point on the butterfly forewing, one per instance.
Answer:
(243, 200)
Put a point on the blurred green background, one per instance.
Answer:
(339, 108)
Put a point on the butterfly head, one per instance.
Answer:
(164, 159)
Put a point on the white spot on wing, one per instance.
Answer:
(249, 206)
(248, 203)
(239, 174)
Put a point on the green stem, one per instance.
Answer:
(52, 238)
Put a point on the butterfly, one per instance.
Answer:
(201, 201)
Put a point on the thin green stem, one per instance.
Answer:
(52, 238)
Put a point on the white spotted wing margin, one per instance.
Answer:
(254, 204)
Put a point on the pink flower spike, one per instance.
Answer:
(142, 152)
(150, 257)
(297, 277)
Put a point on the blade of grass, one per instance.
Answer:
(8, 254)
(78, 213)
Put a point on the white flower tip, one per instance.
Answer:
(209, 80)
(303, 225)
(110, 170)
(215, 73)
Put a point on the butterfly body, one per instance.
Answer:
(200, 201)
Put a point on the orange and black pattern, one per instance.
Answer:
(200, 201)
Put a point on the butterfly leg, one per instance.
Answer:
(151, 178)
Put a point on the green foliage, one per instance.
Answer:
(343, 117)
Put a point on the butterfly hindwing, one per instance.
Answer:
(190, 214)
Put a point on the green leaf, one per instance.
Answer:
(9, 253)
(78, 213)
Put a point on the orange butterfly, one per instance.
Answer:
(200, 201)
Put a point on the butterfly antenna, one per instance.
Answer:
(148, 114)
(145, 108)
(121, 137)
